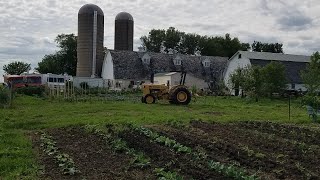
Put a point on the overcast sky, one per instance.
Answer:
(28, 27)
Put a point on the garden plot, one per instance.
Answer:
(91, 155)
(271, 156)
(200, 150)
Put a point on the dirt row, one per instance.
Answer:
(294, 132)
(92, 157)
(164, 157)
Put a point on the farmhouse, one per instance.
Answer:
(293, 65)
(125, 69)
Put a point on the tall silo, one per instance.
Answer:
(90, 41)
(123, 35)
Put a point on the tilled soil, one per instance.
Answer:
(272, 158)
(91, 155)
(165, 157)
(271, 150)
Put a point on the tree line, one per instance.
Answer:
(160, 40)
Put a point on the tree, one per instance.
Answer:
(311, 75)
(256, 81)
(253, 82)
(190, 43)
(267, 47)
(274, 78)
(64, 60)
(172, 39)
(237, 79)
(154, 41)
(16, 67)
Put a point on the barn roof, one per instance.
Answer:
(292, 69)
(273, 56)
(294, 64)
(129, 65)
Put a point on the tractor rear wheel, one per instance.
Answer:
(181, 96)
(149, 99)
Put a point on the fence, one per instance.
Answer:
(69, 92)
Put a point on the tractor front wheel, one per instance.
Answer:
(181, 96)
(149, 99)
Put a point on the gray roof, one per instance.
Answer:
(124, 16)
(89, 9)
(292, 69)
(129, 65)
(273, 56)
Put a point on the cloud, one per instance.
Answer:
(28, 28)
(295, 21)
(289, 16)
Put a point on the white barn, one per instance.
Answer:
(126, 69)
(293, 65)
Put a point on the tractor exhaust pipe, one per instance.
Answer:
(152, 78)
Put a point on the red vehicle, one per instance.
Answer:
(18, 81)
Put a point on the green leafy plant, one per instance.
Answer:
(66, 164)
(167, 175)
(119, 145)
(64, 160)
(230, 171)
(140, 160)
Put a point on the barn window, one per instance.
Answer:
(177, 61)
(206, 63)
(293, 86)
(239, 56)
(146, 59)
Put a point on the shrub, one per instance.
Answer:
(4, 97)
(31, 90)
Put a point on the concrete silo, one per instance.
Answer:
(90, 41)
(123, 35)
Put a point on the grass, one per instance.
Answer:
(17, 160)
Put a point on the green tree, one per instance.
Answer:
(154, 41)
(16, 67)
(64, 60)
(256, 81)
(274, 78)
(237, 79)
(253, 82)
(221, 46)
(172, 39)
(311, 75)
(190, 43)
(267, 47)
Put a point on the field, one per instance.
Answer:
(212, 138)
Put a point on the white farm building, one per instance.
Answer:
(293, 65)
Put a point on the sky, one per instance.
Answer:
(28, 27)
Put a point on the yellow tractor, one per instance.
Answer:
(178, 94)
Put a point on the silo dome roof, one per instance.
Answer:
(89, 9)
(124, 16)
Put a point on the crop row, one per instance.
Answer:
(286, 131)
(64, 160)
(139, 160)
(227, 170)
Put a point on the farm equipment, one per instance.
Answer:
(178, 94)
